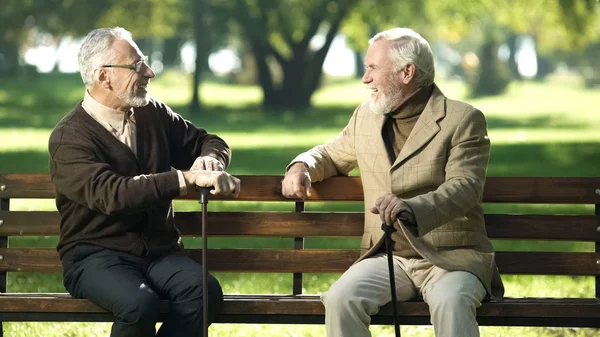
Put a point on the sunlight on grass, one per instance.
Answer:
(24, 139)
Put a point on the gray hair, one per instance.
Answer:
(410, 47)
(96, 51)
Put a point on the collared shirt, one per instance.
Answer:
(120, 124)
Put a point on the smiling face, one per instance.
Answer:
(129, 86)
(382, 78)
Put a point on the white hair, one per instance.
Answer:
(410, 47)
(96, 51)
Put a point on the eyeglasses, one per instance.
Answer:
(137, 67)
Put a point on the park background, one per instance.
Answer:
(276, 77)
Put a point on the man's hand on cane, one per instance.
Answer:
(223, 182)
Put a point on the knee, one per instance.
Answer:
(189, 297)
(342, 298)
(215, 295)
(139, 308)
(451, 302)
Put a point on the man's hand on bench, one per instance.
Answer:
(223, 182)
(296, 183)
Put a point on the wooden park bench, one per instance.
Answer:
(297, 308)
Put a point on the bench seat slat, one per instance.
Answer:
(315, 261)
(289, 224)
(311, 305)
(549, 190)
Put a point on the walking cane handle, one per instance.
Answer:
(204, 191)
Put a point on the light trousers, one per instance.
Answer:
(359, 293)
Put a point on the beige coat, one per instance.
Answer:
(439, 173)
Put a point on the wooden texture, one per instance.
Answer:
(289, 224)
(315, 261)
(268, 188)
(311, 305)
(309, 309)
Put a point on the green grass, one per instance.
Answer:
(536, 129)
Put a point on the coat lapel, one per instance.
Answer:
(376, 144)
(425, 128)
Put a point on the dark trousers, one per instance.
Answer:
(131, 288)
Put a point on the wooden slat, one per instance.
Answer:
(29, 223)
(311, 305)
(268, 188)
(275, 224)
(316, 261)
(254, 188)
(26, 186)
(288, 224)
(231, 260)
(543, 227)
(547, 190)
(548, 263)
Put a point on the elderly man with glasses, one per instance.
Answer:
(117, 161)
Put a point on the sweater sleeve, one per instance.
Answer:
(82, 177)
(188, 142)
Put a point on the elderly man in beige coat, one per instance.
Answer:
(423, 160)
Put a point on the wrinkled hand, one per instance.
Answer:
(296, 183)
(388, 206)
(223, 182)
(207, 163)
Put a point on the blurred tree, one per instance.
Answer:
(201, 40)
(372, 16)
(17, 18)
(202, 23)
(148, 20)
(291, 37)
(553, 24)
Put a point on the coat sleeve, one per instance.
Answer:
(466, 171)
(335, 157)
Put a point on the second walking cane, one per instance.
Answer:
(389, 245)
(204, 191)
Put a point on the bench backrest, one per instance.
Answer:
(299, 224)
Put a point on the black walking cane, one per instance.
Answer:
(389, 244)
(204, 191)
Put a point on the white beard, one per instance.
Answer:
(133, 99)
(379, 107)
(385, 105)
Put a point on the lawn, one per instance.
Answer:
(536, 129)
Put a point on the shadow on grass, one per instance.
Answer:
(24, 162)
(544, 160)
(554, 121)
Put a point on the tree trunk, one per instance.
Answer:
(513, 66)
(9, 58)
(171, 52)
(359, 65)
(493, 76)
(291, 93)
(201, 39)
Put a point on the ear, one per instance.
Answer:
(408, 73)
(103, 78)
